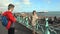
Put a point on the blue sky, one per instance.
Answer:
(30, 5)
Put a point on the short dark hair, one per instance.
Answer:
(34, 11)
(10, 6)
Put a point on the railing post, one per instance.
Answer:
(18, 18)
(26, 21)
(47, 27)
(37, 25)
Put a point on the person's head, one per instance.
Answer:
(34, 12)
(11, 7)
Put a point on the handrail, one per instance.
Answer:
(25, 22)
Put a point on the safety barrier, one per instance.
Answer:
(39, 27)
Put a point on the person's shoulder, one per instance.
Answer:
(3, 11)
(6, 12)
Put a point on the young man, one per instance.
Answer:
(11, 19)
(34, 18)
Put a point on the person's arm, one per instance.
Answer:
(11, 17)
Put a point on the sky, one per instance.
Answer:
(30, 5)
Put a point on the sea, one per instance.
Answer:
(57, 14)
(49, 14)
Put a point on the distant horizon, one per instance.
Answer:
(31, 11)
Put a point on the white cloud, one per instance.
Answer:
(49, 1)
(18, 5)
(4, 3)
(27, 2)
